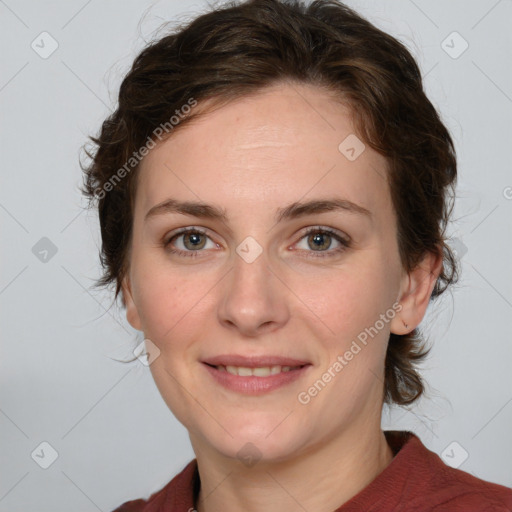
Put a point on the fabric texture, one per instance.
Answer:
(415, 480)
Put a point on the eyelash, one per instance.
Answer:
(345, 244)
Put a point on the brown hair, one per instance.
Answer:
(239, 49)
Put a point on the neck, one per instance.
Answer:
(321, 478)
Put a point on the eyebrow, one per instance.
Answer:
(292, 211)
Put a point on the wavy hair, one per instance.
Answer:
(243, 47)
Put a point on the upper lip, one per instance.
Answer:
(253, 361)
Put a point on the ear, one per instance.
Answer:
(415, 291)
(132, 315)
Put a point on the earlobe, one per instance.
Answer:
(416, 290)
(132, 315)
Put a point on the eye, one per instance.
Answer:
(321, 240)
(189, 242)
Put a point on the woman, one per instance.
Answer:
(273, 191)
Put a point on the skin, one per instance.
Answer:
(252, 157)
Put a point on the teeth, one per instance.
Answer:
(265, 371)
(260, 372)
(275, 370)
(243, 372)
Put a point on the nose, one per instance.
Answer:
(254, 300)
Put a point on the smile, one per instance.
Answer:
(255, 380)
(263, 371)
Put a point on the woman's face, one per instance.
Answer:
(266, 281)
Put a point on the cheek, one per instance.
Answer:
(351, 303)
(348, 300)
(166, 301)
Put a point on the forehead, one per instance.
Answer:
(280, 144)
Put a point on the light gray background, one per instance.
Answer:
(114, 435)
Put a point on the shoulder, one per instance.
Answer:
(447, 488)
(458, 490)
(178, 494)
(132, 506)
(153, 503)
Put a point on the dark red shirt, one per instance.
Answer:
(415, 480)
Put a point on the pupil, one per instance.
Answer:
(319, 240)
(193, 241)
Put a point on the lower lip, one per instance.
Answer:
(255, 385)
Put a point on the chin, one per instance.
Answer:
(257, 441)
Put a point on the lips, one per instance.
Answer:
(255, 375)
